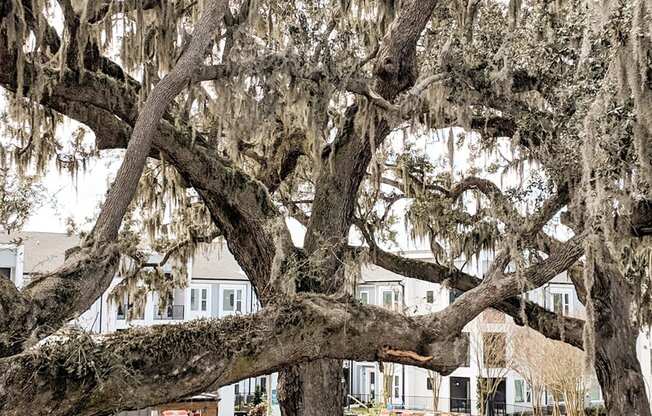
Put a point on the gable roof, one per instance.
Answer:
(45, 252)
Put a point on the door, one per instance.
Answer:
(200, 296)
(232, 300)
(496, 403)
(367, 389)
(460, 391)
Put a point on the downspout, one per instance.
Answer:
(402, 366)
(101, 310)
(348, 399)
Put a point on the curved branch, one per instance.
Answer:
(550, 324)
(498, 287)
(128, 176)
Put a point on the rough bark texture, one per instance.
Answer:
(140, 367)
(550, 324)
(343, 168)
(55, 298)
(615, 335)
(128, 176)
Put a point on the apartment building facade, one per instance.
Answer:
(218, 288)
(412, 387)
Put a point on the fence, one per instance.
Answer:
(171, 312)
(425, 403)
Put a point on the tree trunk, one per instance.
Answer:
(312, 389)
(615, 333)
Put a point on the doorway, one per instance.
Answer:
(460, 390)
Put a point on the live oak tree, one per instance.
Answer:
(236, 115)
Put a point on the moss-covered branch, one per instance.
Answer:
(88, 375)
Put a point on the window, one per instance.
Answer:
(204, 300)
(5, 272)
(523, 394)
(232, 300)
(429, 383)
(561, 303)
(396, 387)
(263, 385)
(467, 357)
(364, 297)
(127, 310)
(122, 311)
(199, 300)
(595, 394)
(388, 298)
(493, 349)
(430, 296)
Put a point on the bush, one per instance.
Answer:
(259, 410)
(258, 396)
(595, 411)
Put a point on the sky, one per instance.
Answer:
(68, 198)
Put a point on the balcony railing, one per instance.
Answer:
(171, 313)
(124, 313)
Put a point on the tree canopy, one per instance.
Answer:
(236, 115)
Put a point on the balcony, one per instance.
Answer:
(170, 313)
(124, 313)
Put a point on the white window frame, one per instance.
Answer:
(433, 297)
(396, 394)
(527, 391)
(199, 311)
(366, 292)
(566, 300)
(243, 300)
(396, 293)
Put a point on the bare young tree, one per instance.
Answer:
(237, 115)
(553, 368)
(528, 360)
(435, 380)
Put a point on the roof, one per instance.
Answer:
(45, 252)
(372, 273)
(216, 262)
(42, 251)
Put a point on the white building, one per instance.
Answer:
(410, 386)
(219, 288)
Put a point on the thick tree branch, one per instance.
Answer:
(336, 188)
(128, 176)
(499, 287)
(122, 371)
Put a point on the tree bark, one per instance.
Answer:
(312, 389)
(615, 334)
(82, 375)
